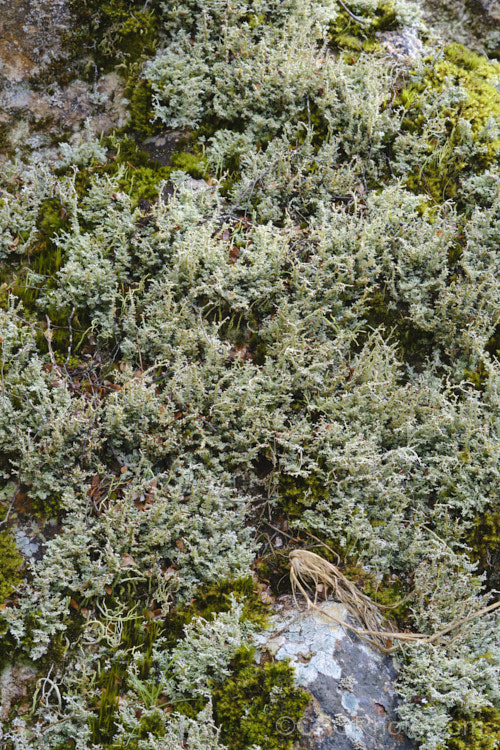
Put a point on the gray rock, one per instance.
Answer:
(34, 117)
(402, 45)
(352, 684)
(14, 682)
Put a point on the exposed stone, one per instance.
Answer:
(35, 117)
(352, 684)
(14, 682)
(402, 45)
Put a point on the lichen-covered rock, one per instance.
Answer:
(14, 682)
(352, 684)
(35, 109)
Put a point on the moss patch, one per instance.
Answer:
(479, 107)
(479, 732)
(259, 705)
(355, 30)
(10, 564)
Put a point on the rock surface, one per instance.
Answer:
(14, 682)
(352, 684)
(35, 111)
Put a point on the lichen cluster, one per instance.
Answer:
(307, 331)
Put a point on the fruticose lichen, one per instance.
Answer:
(291, 319)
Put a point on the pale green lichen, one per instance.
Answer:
(320, 313)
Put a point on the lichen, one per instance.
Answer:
(308, 342)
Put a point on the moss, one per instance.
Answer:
(117, 31)
(298, 493)
(140, 96)
(138, 635)
(141, 175)
(478, 377)
(413, 344)
(485, 545)
(477, 76)
(259, 705)
(10, 564)
(217, 598)
(478, 732)
(193, 164)
(4, 138)
(355, 36)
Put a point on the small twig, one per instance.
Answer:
(48, 336)
(362, 21)
(70, 343)
(280, 531)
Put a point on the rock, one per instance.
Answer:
(352, 684)
(402, 45)
(14, 682)
(35, 116)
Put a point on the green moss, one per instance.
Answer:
(413, 344)
(298, 493)
(112, 32)
(193, 164)
(477, 76)
(140, 175)
(478, 377)
(138, 636)
(4, 138)
(10, 564)
(355, 36)
(479, 732)
(259, 705)
(140, 95)
(217, 598)
(485, 545)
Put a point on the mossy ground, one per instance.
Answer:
(480, 108)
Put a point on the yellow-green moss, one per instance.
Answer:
(140, 96)
(346, 33)
(259, 705)
(217, 598)
(479, 732)
(477, 76)
(485, 544)
(116, 31)
(10, 565)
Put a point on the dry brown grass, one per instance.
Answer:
(371, 624)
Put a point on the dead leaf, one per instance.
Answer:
(266, 596)
(127, 561)
(73, 603)
(180, 545)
